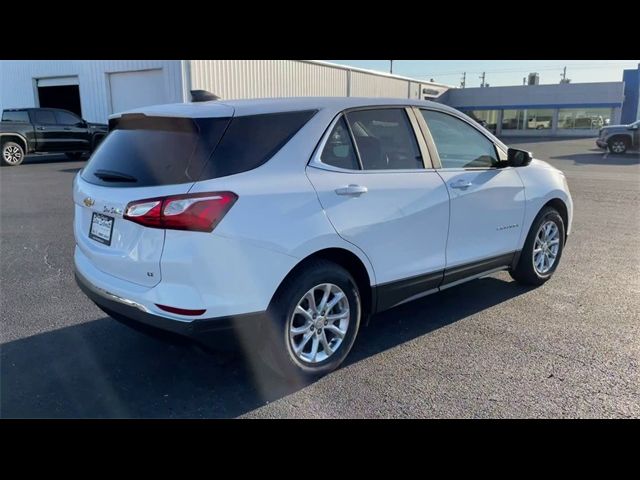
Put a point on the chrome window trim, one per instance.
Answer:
(316, 161)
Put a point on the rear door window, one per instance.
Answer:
(385, 139)
(22, 117)
(339, 151)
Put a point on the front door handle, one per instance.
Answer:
(40, 128)
(462, 184)
(67, 128)
(352, 190)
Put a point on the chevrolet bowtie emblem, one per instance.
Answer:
(89, 201)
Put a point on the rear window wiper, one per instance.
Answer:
(111, 176)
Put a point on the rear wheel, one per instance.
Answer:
(12, 153)
(312, 322)
(618, 145)
(541, 253)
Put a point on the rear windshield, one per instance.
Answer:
(145, 151)
(19, 116)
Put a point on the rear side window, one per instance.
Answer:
(143, 151)
(15, 117)
(252, 140)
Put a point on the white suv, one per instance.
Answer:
(289, 221)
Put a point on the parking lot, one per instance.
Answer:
(488, 348)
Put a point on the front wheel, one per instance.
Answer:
(312, 322)
(12, 154)
(617, 145)
(542, 250)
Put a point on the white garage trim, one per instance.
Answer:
(57, 81)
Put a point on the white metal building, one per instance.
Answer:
(97, 88)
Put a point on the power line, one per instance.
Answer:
(540, 68)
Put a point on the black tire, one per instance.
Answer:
(12, 154)
(276, 348)
(525, 272)
(618, 145)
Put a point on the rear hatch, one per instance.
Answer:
(143, 157)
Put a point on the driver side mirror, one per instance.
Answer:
(82, 124)
(518, 158)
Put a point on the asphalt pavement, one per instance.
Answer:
(488, 348)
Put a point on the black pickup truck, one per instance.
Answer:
(46, 130)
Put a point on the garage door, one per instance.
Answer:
(136, 89)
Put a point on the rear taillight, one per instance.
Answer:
(199, 212)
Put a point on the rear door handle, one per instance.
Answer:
(40, 128)
(462, 184)
(67, 128)
(352, 190)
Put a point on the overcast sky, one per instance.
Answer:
(500, 72)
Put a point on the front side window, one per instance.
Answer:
(385, 139)
(66, 118)
(459, 145)
(44, 116)
(339, 151)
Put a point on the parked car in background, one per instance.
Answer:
(619, 138)
(290, 221)
(46, 130)
(538, 123)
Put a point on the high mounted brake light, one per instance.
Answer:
(199, 212)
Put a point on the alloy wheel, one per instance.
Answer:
(546, 247)
(11, 154)
(319, 323)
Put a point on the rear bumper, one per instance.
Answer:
(135, 315)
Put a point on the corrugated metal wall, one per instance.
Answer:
(17, 81)
(368, 85)
(267, 78)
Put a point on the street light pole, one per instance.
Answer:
(390, 66)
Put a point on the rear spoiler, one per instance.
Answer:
(203, 96)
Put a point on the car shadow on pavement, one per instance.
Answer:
(601, 158)
(102, 369)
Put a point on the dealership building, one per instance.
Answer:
(95, 89)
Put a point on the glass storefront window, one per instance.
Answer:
(487, 118)
(539, 119)
(584, 118)
(513, 119)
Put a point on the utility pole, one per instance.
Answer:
(463, 82)
(390, 66)
(564, 78)
(481, 77)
